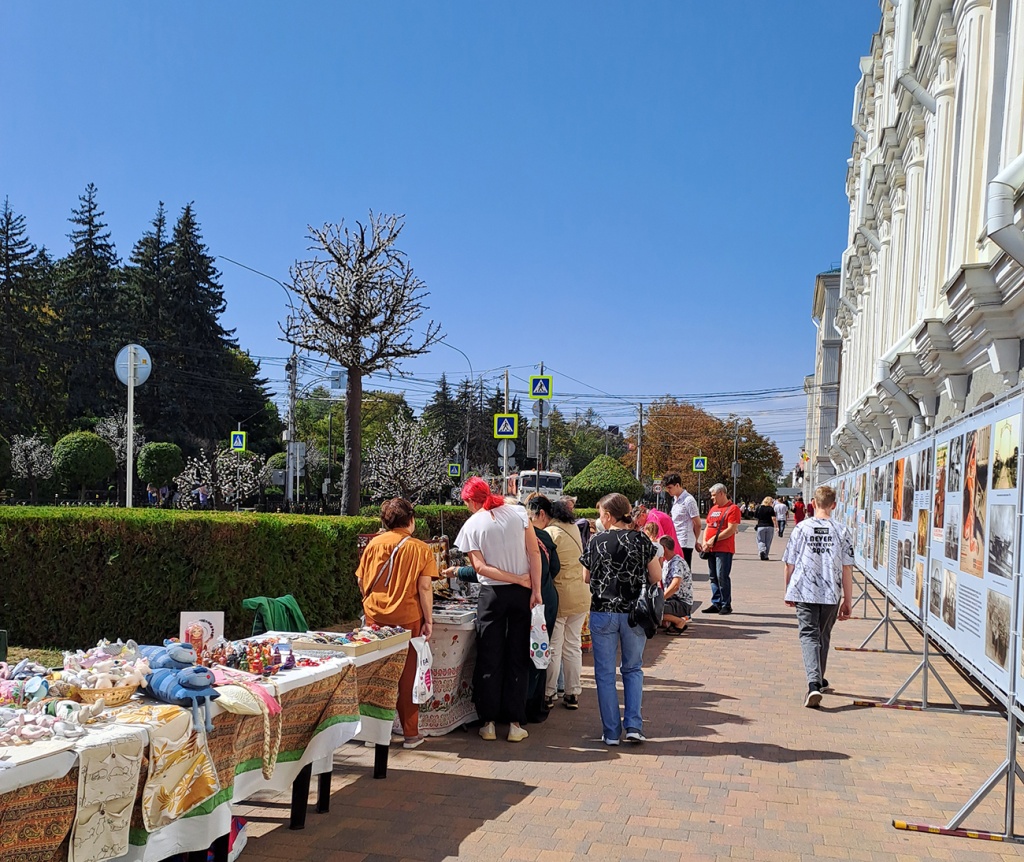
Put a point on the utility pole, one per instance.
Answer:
(291, 473)
(504, 457)
(640, 442)
(540, 431)
(735, 459)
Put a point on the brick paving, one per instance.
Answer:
(735, 766)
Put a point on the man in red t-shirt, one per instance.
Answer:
(720, 544)
(798, 510)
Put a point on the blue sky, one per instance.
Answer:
(637, 194)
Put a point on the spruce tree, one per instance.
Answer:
(91, 312)
(443, 417)
(26, 391)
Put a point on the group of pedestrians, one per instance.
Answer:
(527, 556)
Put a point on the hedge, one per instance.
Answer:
(603, 475)
(72, 576)
(431, 520)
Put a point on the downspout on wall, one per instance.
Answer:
(904, 43)
(1002, 191)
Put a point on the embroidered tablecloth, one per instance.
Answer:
(453, 647)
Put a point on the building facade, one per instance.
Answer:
(822, 387)
(928, 310)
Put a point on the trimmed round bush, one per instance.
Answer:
(603, 475)
(159, 463)
(81, 459)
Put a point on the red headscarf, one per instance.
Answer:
(477, 490)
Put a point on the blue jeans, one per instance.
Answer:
(720, 571)
(609, 632)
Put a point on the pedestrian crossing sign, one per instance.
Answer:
(506, 426)
(540, 386)
(700, 465)
(454, 471)
(238, 439)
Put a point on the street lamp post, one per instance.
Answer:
(469, 407)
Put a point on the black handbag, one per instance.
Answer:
(648, 609)
(703, 553)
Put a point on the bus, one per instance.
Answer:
(524, 483)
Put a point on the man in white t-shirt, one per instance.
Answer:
(819, 584)
(781, 513)
(685, 515)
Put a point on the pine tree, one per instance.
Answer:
(91, 312)
(27, 396)
(200, 389)
(443, 417)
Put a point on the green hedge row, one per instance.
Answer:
(72, 576)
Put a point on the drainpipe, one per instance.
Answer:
(858, 100)
(904, 43)
(1002, 189)
(862, 202)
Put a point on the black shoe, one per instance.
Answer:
(764, 555)
(826, 688)
(711, 609)
(813, 699)
(571, 701)
(725, 609)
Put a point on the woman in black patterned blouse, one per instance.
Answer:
(619, 561)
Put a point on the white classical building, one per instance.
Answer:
(822, 387)
(930, 294)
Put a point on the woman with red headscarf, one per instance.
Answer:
(503, 550)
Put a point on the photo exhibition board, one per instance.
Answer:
(937, 525)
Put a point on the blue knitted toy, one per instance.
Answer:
(186, 687)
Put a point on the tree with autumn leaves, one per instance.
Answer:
(675, 432)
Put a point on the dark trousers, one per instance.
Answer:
(815, 628)
(503, 662)
(719, 573)
(688, 556)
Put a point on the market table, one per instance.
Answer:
(320, 712)
(453, 646)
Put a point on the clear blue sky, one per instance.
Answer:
(638, 194)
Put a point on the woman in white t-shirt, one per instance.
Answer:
(502, 548)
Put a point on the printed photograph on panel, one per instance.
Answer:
(997, 628)
(1000, 540)
(883, 545)
(952, 534)
(924, 463)
(899, 564)
(887, 484)
(975, 493)
(955, 468)
(908, 490)
(919, 583)
(1004, 462)
(877, 478)
(922, 532)
(939, 497)
(862, 490)
(897, 491)
(935, 590)
(949, 598)
(876, 542)
(907, 553)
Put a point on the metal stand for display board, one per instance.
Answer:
(1009, 771)
(865, 597)
(884, 625)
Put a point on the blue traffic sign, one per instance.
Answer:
(541, 386)
(700, 465)
(238, 439)
(506, 426)
(454, 470)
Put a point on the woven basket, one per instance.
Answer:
(110, 696)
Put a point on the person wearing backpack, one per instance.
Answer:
(720, 546)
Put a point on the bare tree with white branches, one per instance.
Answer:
(31, 460)
(114, 429)
(359, 302)
(407, 461)
(229, 477)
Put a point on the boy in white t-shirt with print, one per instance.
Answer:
(677, 582)
(819, 584)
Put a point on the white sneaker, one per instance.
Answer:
(487, 732)
(608, 741)
(635, 736)
(517, 734)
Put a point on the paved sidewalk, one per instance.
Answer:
(736, 767)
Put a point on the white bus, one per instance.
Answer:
(521, 485)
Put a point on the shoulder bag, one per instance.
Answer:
(648, 608)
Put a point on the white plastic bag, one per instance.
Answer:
(423, 685)
(540, 648)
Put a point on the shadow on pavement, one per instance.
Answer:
(413, 813)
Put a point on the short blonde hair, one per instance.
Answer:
(824, 497)
(767, 501)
